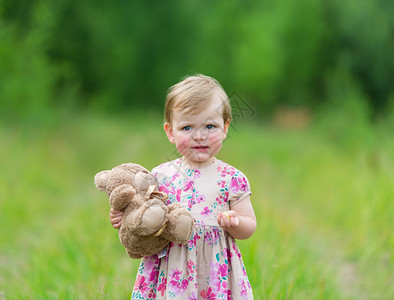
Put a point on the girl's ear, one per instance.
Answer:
(225, 129)
(169, 132)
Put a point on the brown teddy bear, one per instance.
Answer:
(147, 224)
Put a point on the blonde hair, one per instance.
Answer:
(193, 93)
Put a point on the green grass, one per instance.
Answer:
(323, 199)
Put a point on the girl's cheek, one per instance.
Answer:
(181, 148)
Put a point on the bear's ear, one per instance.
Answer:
(100, 180)
(143, 181)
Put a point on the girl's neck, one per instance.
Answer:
(197, 165)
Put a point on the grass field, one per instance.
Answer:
(323, 198)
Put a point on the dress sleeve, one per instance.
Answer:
(239, 188)
(158, 175)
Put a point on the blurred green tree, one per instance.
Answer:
(116, 55)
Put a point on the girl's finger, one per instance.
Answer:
(226, 222)
(116, 214)
(233, 213)
(227, 215)
(223, 222)
(235, 221)
(116, 220)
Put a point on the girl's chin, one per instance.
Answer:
(199, 160)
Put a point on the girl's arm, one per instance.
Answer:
(240, 221)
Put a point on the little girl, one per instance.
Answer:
(209, 265)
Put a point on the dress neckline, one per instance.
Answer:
(189, 167)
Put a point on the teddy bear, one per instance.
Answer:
(148, 224)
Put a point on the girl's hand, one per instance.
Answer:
(228, 219)
(239, 221)
(115, 217)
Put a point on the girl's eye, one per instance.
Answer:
(210, 126)
(187, 128)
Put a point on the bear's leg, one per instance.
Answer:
(180, 224)
(152, 217)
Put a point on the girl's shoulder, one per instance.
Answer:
(167, 167)
(239, 187)
(227, 170)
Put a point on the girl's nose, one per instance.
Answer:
(200, 134)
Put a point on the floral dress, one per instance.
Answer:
(209, 265)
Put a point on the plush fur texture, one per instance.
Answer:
(148, 224)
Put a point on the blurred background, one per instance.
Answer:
(123, 55)
(82, 89)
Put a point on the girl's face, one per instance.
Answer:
(198, 136)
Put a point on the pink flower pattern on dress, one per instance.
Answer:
(191, 266)
(142, 285)
(208, 294)
(178, 284)
(188, 186)
(162, 286)
(193, 296)
(206, 212)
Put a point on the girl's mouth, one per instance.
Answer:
(200, 148)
